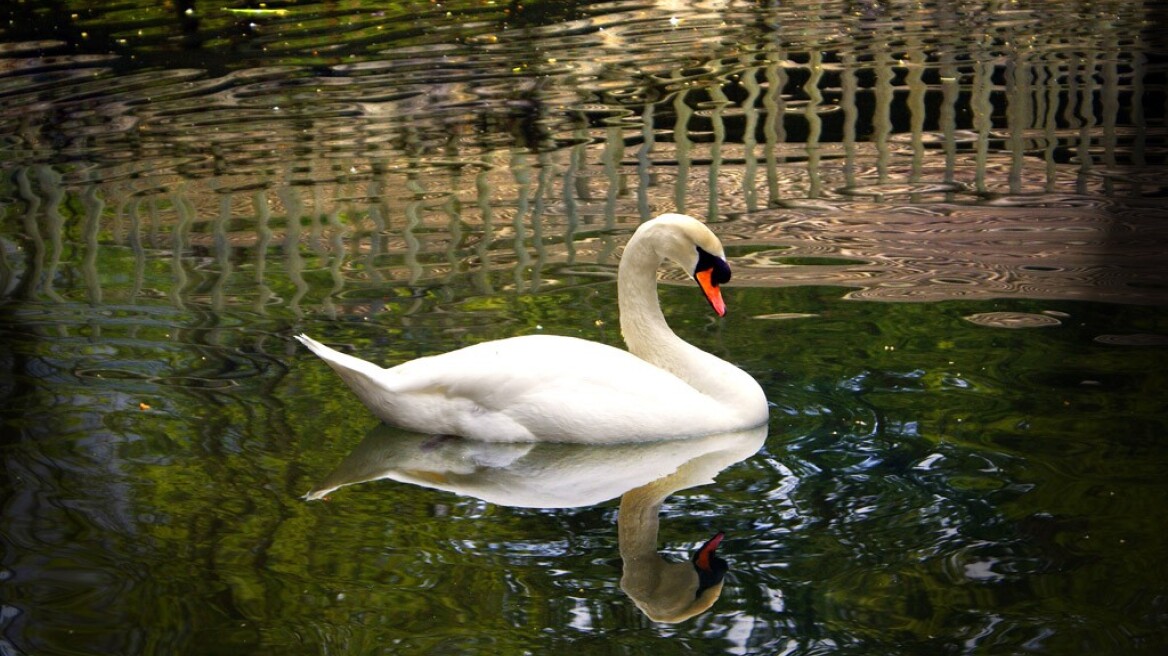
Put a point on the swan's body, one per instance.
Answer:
(564, 389)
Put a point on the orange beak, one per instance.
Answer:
(702, 559)
(713, 292)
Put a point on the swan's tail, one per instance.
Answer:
(366, 379)
(337, 360)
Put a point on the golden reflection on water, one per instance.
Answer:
(922, 191)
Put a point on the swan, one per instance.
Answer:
(550, 388)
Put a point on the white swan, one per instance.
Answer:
(564, 389)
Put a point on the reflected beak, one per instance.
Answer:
(712, 291)
(704, 558)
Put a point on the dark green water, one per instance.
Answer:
(948, 244)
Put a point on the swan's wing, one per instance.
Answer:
(538, 387)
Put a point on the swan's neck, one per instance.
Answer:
(665, 591)
(640, 508)
(649, 337)
(639, 518)
(642, 323)
(648, 578)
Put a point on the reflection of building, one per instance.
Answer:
(1009, 164)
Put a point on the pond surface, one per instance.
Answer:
(946, 225)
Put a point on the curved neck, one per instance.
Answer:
(642, 324)
(665, 590)
(649, 337)
(659, 587)
(639, 517)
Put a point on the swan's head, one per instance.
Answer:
(711, 570)
(680, 590)
(692, 245)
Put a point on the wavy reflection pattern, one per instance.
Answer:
(510, 154)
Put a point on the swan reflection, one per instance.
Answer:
(553, 475)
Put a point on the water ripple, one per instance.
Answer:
(1133, 339)
(1012, 320)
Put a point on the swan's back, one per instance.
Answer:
(532, 388)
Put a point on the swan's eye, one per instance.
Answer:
(719, 270)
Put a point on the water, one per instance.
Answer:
(946, 231)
